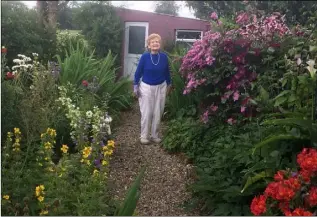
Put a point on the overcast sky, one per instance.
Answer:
(140, 5)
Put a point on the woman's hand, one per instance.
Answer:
(169, 89)
(136, 92)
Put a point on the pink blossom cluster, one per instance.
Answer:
(264, 29)
(252, 31)
(200, 55)
(193, 83)
(210, 110)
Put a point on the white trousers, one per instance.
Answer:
(152, 102)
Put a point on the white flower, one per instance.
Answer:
(17, 61)
(32, 87)
(89, 114)
(108, 119)
(311, 69)
(35, 54)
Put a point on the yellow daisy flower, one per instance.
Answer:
(6, 197)
(44, 212)
(64, 149)
(104, 163)
(111, 143)
(96, 172)
(40, 198)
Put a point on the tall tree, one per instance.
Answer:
(167, 7)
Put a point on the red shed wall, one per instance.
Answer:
(164, 25)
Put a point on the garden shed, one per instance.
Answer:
(139, 24)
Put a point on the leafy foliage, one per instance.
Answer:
(100, 74)
(100, 25)
(303, 12)
(167, 7)
(21, 32)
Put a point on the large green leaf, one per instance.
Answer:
(273, 139)
(256, 177)
(133, 195)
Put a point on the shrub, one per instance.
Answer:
(66, 40)
(21, 33)
(101, 26)
(233, 61)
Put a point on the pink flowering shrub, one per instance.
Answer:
(226, 62)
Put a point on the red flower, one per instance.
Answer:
(3, 50)
(282, 190)
(284, 193)
(279, 176)
(258, 205)
(9, 76)
(301, 212)
(293, 183)
(306, 175)
(312, 196)
(85, 83)
(307, 159)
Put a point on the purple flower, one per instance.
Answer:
(102, 144)
(97, 163)
(214, 16)
(294, 174)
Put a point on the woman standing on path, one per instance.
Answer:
(151, 90)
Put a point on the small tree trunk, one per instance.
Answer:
(52, 15)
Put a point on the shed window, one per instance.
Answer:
(187, 37)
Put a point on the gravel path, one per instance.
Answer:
(163, 189)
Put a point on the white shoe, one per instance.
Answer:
(156, 140)
(144, 141)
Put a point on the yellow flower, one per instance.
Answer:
(86, 152)
(51, 169)
(48, 145)
(82, 160)
(51, 132)
(17, 131)
(111, 143)
(64, 149)
(42, 135)
(104, 163)
(17, 140)
(16, 149)
(96, 172)
(108, 153)
(88, 162)
(40, 198)
(44, 212)
(6, 197)
(105, 148)
(46, 158)
(39, 189)
(9, 134)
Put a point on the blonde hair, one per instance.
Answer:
(151, 37)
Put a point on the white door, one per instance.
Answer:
(135, 45)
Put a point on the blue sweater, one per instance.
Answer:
(153, 74)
